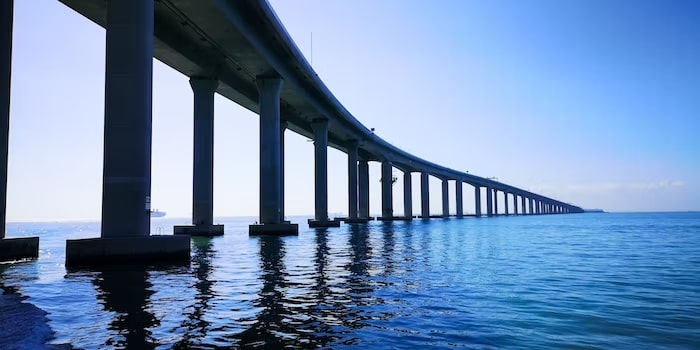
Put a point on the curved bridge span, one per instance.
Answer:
(241, 50)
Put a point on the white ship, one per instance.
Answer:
(155, 213)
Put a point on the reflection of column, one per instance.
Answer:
(477, 201)
(126, 292)
(407, 195)
(445, 198)
(424, 195)
(271, 298)
(458, 194)
(195, 323)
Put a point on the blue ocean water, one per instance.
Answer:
(606, 281)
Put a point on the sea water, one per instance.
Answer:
(607, 281)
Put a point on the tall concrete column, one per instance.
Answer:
(387, 195)
(515, 204)
(532, 206)
(363, 168)
(495, 202)
(271, 171)
(477, 201)
(269, 88)
(445, 198)
(424, 195)
(522, 204)
(459, 199)
(489, 201)
(407, 195)
(352, 149)
(320, 127)
(505, 202)
(203, 161)
(17, 248)
(126, 181)
(6, 19)
(283, 128)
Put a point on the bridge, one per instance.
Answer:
(240, 50)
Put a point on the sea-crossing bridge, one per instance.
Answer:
(240, 50)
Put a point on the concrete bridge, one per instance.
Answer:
(242, 51)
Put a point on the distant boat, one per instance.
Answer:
(155, 213)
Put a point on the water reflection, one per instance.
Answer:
(270, 329)
(126, 291)
(195, 325)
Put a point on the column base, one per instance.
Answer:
(19, 248)
(396, 218)
(120, 250)
(199, 230)
(323, 223)
(281, 229)
(356, 220)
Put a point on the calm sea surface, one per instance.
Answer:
(608, 281)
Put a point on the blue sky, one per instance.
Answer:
(594, 102)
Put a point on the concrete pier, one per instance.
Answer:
(387, 193)
(10, 248)
(515, 204)
(363, 190)
(320, 128)
(353, 188)
(269, 88)
(489, 201)
(407, 195)
(458, 195)
(477, 201)
(445, 198)
(505, 203)
(126, 184)
(203, 162)
(495, 202)
(283, 128)
(424, 195)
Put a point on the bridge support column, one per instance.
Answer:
(495, 202)
(271, 223)
(445, 198)
(424, 195)
(505, 203)
(15, 248)
(363, 193)
(407, 195)
(320, 127)
(532, 207)
(515, 204)
(387, 195)
(459, 199)
(283, 128)
(489, 201)
(203, 162)
(477, 201)
(126, 179)
(522, 205)
(352, 148)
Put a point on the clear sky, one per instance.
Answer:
(593, 102)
